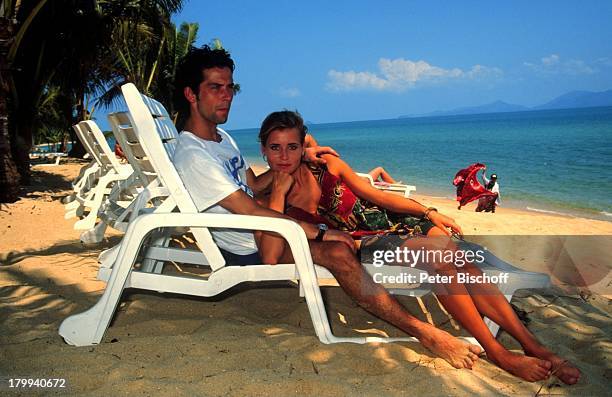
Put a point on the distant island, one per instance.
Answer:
(573, 99)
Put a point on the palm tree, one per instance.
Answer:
(49, 119)
(9, 177)
(42, 51)
(150, 67)
(140, 35)
(65, 44)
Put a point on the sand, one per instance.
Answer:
(258, 339)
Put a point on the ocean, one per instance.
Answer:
(557, 161)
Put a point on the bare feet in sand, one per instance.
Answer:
(458, 353)
(531, 369)
(561, 368)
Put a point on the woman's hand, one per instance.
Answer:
(281, 182)
(444, 222)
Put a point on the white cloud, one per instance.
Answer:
(355, 80)
(483, 72)
(289, 92)
(401, 74)
(604, 61)
(551, 60)
(553, 64)
(578, 67)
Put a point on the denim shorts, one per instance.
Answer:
(232, 259)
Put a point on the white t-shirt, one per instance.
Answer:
(212, 171)
(494, 189)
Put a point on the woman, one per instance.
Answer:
(335, 195)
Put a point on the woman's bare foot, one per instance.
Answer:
(561, 368)
(458, 353)
(531, 369)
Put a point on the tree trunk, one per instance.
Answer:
(22, 144)
(9, 177)
(78, 150)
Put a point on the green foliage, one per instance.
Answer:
(48, 119)
(66, 52)
(145, 50)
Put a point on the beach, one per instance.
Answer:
(259, 340)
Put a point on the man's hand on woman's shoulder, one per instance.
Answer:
(312, 154)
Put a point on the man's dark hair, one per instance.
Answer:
(189, 72)
(282, 120)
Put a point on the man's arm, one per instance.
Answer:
(271, 246)
(258, 183)
(241, 203)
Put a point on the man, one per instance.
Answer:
(488, 204)
(491, 184)
(219, 180)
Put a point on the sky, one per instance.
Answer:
(339, 61)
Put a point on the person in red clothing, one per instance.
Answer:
(468, 187)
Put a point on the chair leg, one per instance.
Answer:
(109, 256)
(106, 259)
(71, 213)
(88, 222)
(98, 196)
(493, 327)
(72, 204)
(68, 199)
(88, 327)
(94, 235)
(78, 208)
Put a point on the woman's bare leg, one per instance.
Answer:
(379, 172)
(460, 304)
(492, 303)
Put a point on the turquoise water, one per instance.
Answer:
(551, 160)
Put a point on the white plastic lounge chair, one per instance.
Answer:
(151, 199)
(42, 158)
(112, 174)
(143, 234)
(120, 206)
(87, 177)
(392, 187)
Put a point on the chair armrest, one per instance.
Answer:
(288, 229)
(361, 174)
